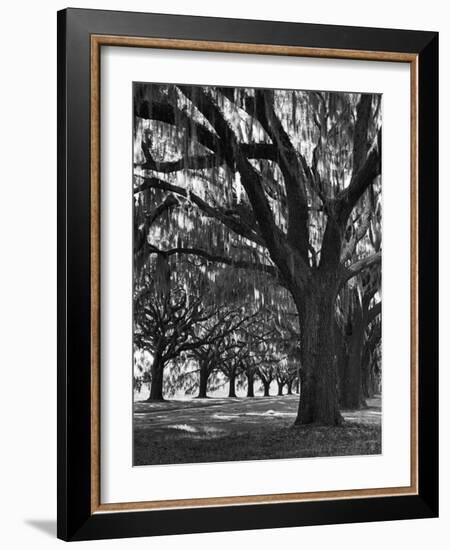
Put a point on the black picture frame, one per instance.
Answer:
(76, 521)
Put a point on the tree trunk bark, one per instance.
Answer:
(156, 388)
(250, 385)
(266, 389)
(366, 383)
(203, 382)
(370, 385)
(280, 388)
(351, 384)
(289, 387)
(232, 390)
(318, 396)
(341, 358)
(375, 379)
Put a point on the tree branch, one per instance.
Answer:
(142, 232)
(360, 265)
(170, 114)
(232, 222)
(363, 110)
(291, 169)
(250, 179)
(195, 162)
(263, 151)
(373, 312)
(357, 234)
(257, 151)
(271, 270)
(359, 182)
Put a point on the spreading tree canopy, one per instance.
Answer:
(281, 185)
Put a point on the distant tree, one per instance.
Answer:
(266, 373)
(223, 330)
(172, 321)
(285, 374)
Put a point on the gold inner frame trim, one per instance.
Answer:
(97, 41)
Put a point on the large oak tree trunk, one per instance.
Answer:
(351, 397)
(352, 382)
(250, 385)
(280, 388)
(266, 386)
(366, 375)
(370, 382)
(318, 396)
(156, 389)
(232, 390)
(341, 358)
(203, 382)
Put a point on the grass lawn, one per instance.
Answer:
(219, 430)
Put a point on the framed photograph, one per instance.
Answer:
(247, 255)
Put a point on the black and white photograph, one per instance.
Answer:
(257, 273)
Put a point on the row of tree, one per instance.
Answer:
(195, 344)
(257, 241)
